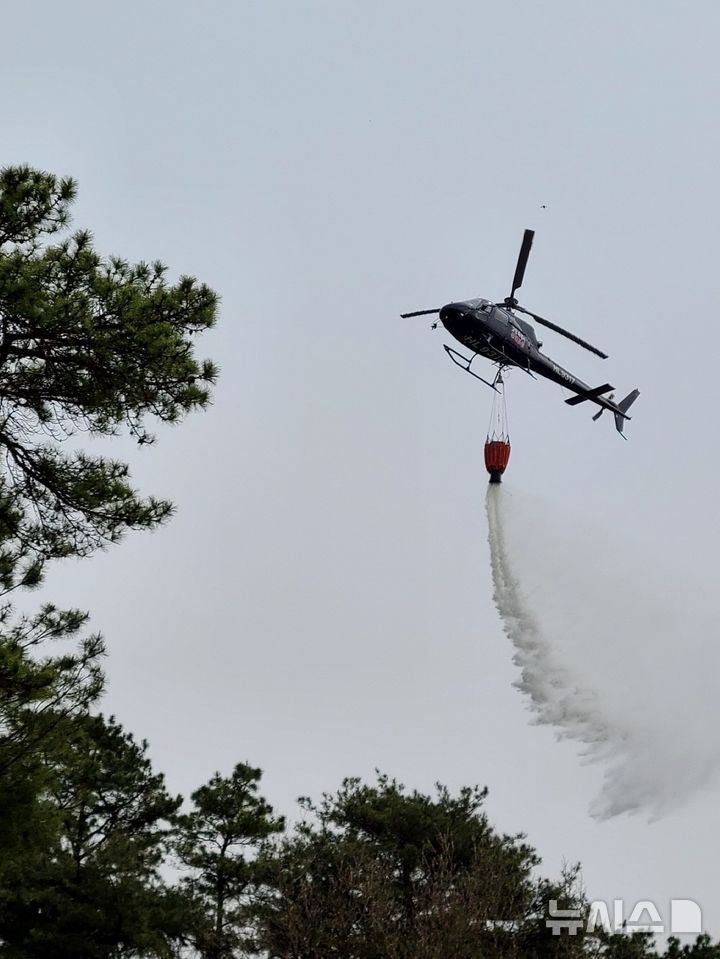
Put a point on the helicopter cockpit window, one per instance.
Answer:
(482, 305)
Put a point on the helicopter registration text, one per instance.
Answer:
(564, 373)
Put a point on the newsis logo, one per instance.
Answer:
(644, 916)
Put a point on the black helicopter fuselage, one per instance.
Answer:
(495, 330)
(501, 336)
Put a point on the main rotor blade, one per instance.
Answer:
(525, 246)
(562, 332)
(405, 316)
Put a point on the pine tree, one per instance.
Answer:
(376, 871)
(217, 842)
(38, 692)
(88, 345)
(95, 891)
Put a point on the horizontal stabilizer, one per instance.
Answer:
(590, 395)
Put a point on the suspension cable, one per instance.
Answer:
(498, 428)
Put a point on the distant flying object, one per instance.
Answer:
(494, 331)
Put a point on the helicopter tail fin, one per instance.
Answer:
(623, 406)
(607, 403)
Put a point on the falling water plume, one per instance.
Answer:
(649, 723)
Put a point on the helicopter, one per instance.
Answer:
(494, 331)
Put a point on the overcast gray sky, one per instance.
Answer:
(322, 604)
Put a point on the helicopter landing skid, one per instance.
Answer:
(503, 362)
(464, 363)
